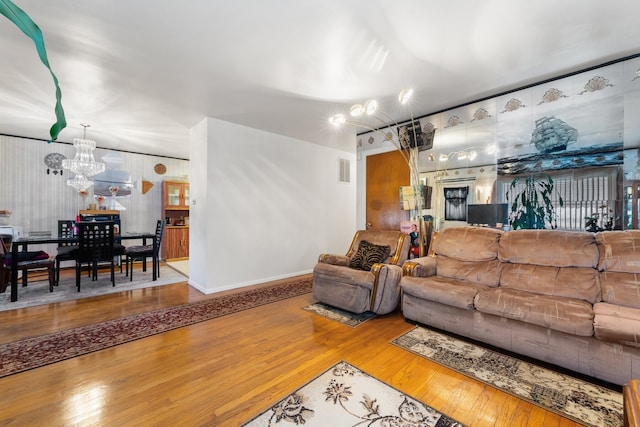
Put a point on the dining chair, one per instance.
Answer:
(36, 260)
(66, 250)
(95, 244)
(142, 252)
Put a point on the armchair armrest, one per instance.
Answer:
(385, 294)
(334, 259)
(420, 267)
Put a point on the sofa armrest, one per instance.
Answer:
(420, 267)
(385, 294)
(334, 259)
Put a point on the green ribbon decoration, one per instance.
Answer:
(27, 26)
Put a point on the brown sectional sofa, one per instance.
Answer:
(567, 298)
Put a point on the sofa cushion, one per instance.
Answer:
(560, 314)
(368, 254)
(443, 290)
(549, 247)
(620, 288)
(619, 251)
(617, 324)
(468, 243)
(570, 282)
(480, 272)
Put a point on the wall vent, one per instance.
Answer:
(344, 170)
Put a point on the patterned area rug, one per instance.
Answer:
(37, 291)
(342, 316)
(345, 396)
(570, 397)
(31, 353)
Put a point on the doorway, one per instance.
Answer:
(386, 173)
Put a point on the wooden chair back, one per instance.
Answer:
(95, 241)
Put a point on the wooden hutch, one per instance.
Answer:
(175, 210)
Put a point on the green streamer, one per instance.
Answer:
(27, 26)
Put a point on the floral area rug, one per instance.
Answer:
(570, 397)
(342, 316)
(345, 396)
(31, 353)
(37, 291)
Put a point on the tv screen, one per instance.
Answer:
(488, 214)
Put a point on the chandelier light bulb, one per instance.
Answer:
(371, 106)
(405, 95)
(338, 119)
(357, 110)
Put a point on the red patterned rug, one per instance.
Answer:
(31, 353)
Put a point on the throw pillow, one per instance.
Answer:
(369, 254)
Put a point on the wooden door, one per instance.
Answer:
(386, 173)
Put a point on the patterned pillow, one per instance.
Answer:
(369, 254)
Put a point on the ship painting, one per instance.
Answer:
(552, 134)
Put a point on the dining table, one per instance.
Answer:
(22, 244)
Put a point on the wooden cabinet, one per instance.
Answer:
(175, 210)
(176, 195)
(175, 243)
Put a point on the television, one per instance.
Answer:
(487, 214)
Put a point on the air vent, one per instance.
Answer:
(344, 170)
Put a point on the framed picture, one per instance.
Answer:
(408, 197)
(412, 136)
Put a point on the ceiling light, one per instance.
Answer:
(338, 119)
(371, 106)
(357, 110)
(472, 155)
(83, 164)
(443, 157)
(405, 95)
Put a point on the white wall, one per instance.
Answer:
(271, 205)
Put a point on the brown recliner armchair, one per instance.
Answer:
(366, 278)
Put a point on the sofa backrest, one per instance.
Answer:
(549, 247)
(468, 243)
(468, 254)
(397, 241)
(619, 266)
(551, 262)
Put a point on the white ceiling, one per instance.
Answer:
(143, 72)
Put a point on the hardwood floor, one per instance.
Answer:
(224, 371)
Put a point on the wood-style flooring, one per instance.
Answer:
(224, 371)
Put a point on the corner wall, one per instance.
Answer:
(266, 205)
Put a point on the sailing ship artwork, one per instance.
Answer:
(552, 139)
(552, 134)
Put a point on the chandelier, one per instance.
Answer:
(83, 164)
(367, 115)
(383, 125)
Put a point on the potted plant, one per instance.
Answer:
(531, 204)
(599, 221)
